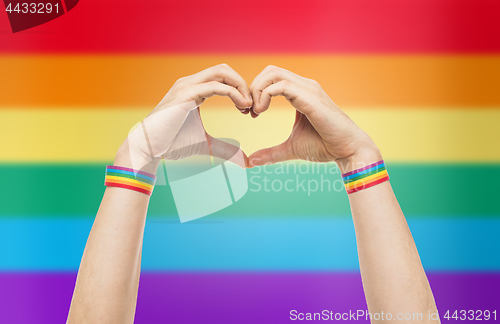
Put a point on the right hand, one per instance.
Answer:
(322, 132)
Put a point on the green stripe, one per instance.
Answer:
(425, 190)
(365, 175)
(122, 175)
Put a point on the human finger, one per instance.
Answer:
(270, 75)
(222, 73)
(271, 155)
(200, 92)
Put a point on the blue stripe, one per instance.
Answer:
(363, 172)
(139, 175)
(209, 244)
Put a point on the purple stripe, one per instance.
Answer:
(362, 169)
(232, 297)
(112, 167)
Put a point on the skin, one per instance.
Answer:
(393, 277)
(394, 280)
(108, 278)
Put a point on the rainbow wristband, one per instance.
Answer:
(129, 179)
(369, 176)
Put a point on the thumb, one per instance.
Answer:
(271, 155)
(226, 150)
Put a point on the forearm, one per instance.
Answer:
(108, 278)
(393, 277)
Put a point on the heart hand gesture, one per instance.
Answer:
(321, 132)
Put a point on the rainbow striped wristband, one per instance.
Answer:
(369, 176)
(129, 179)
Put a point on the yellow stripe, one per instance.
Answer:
(131, 182)
(403, 135)
(135, 182)
(354, 80)
(367, 180)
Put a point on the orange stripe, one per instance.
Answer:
(130, 183)
(367, 180)
(368, 185)
(142, 80)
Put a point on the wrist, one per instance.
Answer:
(364, 156)
(134, 160)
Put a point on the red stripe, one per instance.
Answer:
(371, 184)
(114, 184)
(224, 26)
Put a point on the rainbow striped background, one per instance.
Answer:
(421, 77)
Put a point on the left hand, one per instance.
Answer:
(174, 129)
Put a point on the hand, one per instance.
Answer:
(321, 132)
(174, 130)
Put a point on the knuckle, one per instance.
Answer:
(313, 82)
(221, 68)
(273, 74)
(285, 83)
(216, 69)
(278, 75)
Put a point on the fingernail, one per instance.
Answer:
(250, 102)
